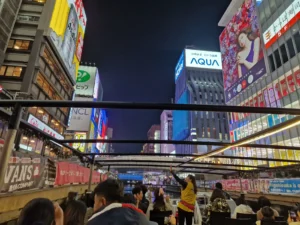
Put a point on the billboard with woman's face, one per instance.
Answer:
(242, 55)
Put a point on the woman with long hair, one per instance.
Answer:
(248, 56)
(159, 204)
(186, 206)
(75, 213)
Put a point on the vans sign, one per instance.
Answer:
(203, 59)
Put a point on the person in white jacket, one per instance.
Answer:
(242, 207)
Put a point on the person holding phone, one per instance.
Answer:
(186, 206)
(294, 216)
(160, 204)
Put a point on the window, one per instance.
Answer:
(272, 64)
(277, 59)
(284, 53)
(291, 48)
(297, 41)
(19, 44)
(11, 71)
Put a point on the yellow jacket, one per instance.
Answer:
(188, 196)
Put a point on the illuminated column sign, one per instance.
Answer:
(281, 25)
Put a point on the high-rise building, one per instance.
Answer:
(166, 131)
(153, 134)
(41, 60)
(8, 15)
(198, 79)
(260, 48)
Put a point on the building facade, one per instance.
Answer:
(198, 79)
(153, 134)
(84, 122)
(166, 131)
(273, 80)
(8, 15)
(41, 61)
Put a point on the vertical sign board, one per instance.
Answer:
(81, 117)
(80, 136)
(179, 67)
(86, 81)
(66, 32)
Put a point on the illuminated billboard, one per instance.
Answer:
(242, 55)
(282, 24)
(179, 67)
(203, 59)
(87, 82)
(66, 34)
(79, 146)
(181, 119)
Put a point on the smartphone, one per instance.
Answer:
(292, 215)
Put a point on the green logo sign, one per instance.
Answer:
(83, 76)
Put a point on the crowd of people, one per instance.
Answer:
(111, 206)
(219, 202)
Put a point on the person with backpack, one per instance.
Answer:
(217, 203)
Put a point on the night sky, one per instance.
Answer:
(136, 45)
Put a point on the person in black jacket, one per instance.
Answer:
(109, 210)
(138, 196)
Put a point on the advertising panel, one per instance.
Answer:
(181, 120)
(282, 24)
(40, 125)
(97, 87)
(79, 146)
(86, 81)
(27, 172)
(81, 117)
(285, 186)
(203, 59)
(242, 55)
(67, 29)
(179, 67)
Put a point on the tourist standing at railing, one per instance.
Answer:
(186, 206)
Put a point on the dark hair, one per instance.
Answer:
(110, 189)
(263, 201)
(37, 211)
(141, 185)
(128, 198)
(217, 193)
(193, 180)
(241, 200)
(267, 213)
(249, 33)
(136, 190)
(219, 186)
(74, 213)
(159, 202)
(72, 195)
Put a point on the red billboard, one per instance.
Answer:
(242, 55)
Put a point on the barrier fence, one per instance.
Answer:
(32, 171)
(267, 186)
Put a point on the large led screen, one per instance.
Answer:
(181, 120)
(242, 55)
(67, 29)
